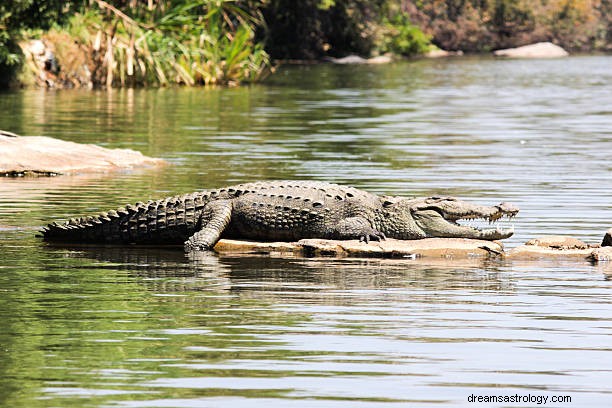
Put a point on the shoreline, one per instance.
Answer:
(38, 71)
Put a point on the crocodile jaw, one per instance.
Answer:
(438, 217)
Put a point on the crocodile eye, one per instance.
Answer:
(387, 204)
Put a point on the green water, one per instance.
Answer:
(154, 328)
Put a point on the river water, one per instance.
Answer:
(133, 327)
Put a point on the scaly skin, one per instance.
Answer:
(280, 211)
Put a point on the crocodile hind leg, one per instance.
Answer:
(216, 216)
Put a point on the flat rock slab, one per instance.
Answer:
(537, 252)
(449, 248)
(537, 50)
(554, 247)
(41, 155)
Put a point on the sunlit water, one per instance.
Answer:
(153, 328)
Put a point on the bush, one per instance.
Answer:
(401, 37)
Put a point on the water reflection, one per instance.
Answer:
(152, 327)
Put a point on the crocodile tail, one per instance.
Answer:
(93, 229)
(168, 221)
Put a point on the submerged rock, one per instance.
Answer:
(538, 50)
(41, 155)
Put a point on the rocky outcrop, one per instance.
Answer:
(538, 50)
(41, 155)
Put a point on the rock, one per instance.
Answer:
(552, 246)
(438, 53)
(607, 239)
(40, 155)
(538, 50)
(381, 59)
(449, 248)
(603, 254)
(356, 59)
(558, 242)
(603, 258)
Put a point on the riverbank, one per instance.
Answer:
(102, 44)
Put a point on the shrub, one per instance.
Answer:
(400, 36)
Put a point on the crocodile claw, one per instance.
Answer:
(372, 235)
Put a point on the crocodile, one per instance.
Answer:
(280, 211)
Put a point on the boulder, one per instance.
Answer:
(448, 248)
(41, 155)
(538, 50)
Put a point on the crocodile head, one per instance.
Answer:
(442, 217)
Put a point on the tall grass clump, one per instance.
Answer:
(189, 42)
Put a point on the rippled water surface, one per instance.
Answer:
(134, 327)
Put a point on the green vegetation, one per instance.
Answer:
(401, 37)
(127, 43)
(227, 42)
(181, 42)
(483, 25)
(311, 29)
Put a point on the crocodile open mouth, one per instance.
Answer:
(450, 217)
(498, 223)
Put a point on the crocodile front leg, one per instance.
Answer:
(217, 215)
(357, 228)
